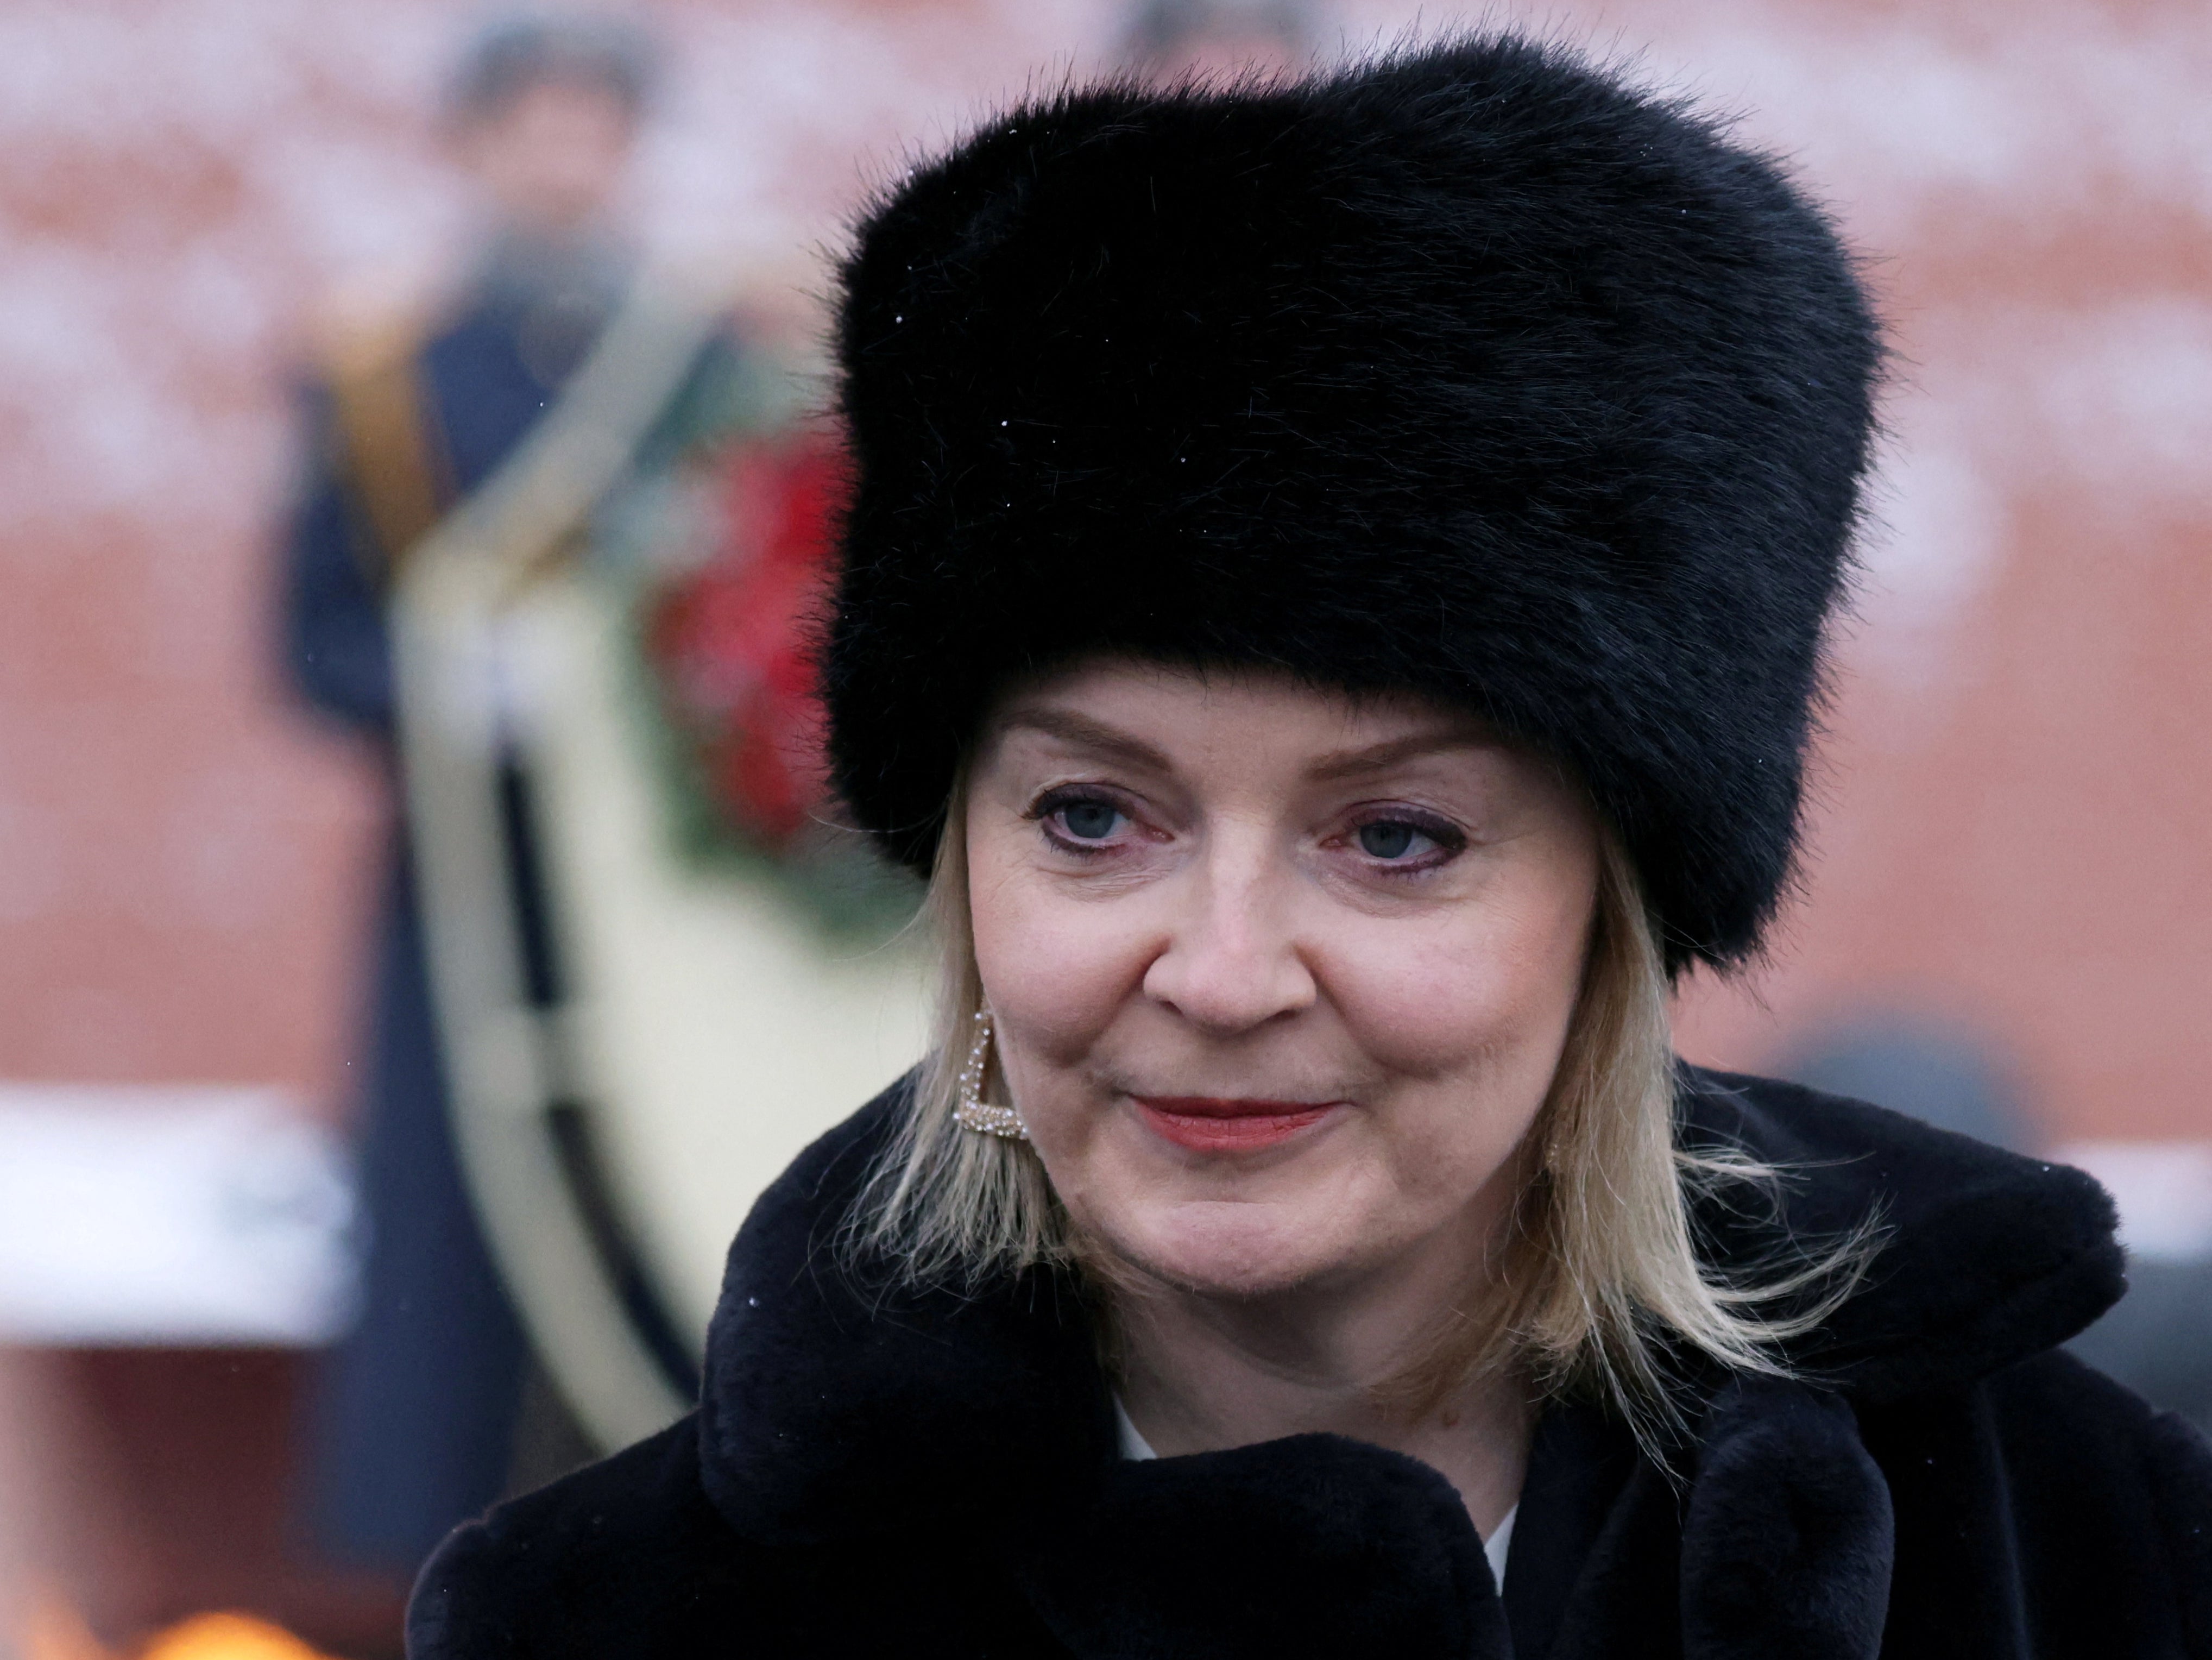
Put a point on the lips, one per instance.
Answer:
(1206, 1124)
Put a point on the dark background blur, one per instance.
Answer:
(2007, 920)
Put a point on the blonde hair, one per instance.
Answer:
(1600, 1275)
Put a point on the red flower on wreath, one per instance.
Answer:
(732, 640)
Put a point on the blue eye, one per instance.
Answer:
(1089, 821)
(1388, 840)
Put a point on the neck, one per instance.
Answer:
(1202, 1372)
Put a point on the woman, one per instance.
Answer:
(1333, 599)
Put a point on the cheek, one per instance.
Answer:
(1466, 1016)
(1490, 987)
(1055, 969)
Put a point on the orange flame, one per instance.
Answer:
(53, 1630)
(227, 1637)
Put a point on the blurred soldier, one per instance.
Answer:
(1175, 38)
(419, 1423)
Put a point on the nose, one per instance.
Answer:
(1231, 961)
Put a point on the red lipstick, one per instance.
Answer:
(1206, 1124)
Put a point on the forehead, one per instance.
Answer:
(1179, 716)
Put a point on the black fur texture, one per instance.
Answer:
(1475, 373)
(1188, 1557)
(1790, 1524)
(937, 1477)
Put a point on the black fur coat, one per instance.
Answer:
(931, 1477)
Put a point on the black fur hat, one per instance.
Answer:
(1475, 373)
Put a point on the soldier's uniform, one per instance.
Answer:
(418, 1421)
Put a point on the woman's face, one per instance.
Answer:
(1279, 978)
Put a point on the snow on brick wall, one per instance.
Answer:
(2007, 825)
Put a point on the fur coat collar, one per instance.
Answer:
(832, 1414)
(939, 1474)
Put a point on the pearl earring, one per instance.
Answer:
(972, 1112)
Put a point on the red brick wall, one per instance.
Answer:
(2012, 828)
(2014, 792)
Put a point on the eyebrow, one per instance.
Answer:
(1083, 733)
(1375, 758)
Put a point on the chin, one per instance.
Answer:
(1225, 1248)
